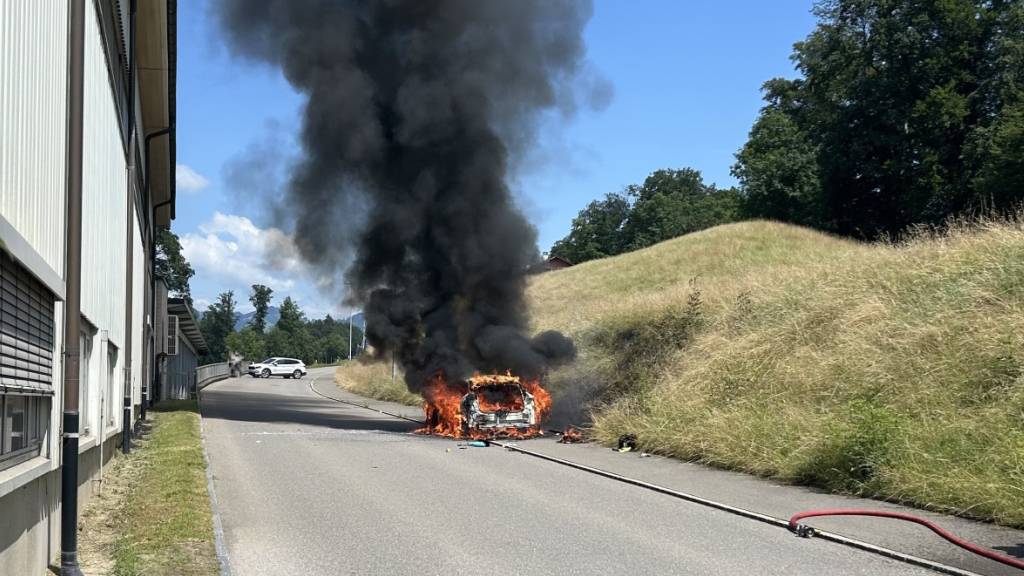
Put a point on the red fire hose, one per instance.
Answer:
(807, 531)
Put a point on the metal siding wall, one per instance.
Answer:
(33, 110)
(104, 195)
(181, 370)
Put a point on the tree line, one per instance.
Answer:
(324, 340)
(905, 113)
(294, 336)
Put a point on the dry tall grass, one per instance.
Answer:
(892, 371)
(373, 380)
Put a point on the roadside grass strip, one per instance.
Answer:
(167, 526)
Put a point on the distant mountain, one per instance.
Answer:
(242, 320)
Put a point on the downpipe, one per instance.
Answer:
(126, 408)
(73, 304)
(151, 379)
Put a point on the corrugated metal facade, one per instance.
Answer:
(104, 195)
(33, 108)
(104, 230)
(180, 372)
(33, 162)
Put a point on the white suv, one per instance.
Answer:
(287, 367)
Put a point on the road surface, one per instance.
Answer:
(309, 486)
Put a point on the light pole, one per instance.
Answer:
(350, 334)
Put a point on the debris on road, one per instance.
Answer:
(627, 442)
(570, 436)
(474, 444)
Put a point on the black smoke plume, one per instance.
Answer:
(415, 110)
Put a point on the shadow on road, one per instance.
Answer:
(1015, 551)
(247, 406)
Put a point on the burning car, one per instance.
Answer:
(484, 406)
(497, 403)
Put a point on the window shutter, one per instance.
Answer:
(172, 335)
(26, 331)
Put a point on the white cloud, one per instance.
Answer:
(229, 252)
(189, 180)
(235, 251)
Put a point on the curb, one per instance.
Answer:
(218, 529)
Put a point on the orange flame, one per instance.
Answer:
(442, 406)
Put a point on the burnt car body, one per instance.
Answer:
(496, 404)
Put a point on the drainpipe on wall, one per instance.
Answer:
(73, 302)
(126, 416)
(150, 385)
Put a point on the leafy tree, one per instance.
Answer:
(911, 109)
(1000, 178)
(260, 299)
(217, 324)
(331, 337)
(671, 203)
(778, 171)
(292, 318)
(597, 230)
(291, 336)
(247, 342)
(172, 266)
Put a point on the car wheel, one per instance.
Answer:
(265, 373)
(297, 374)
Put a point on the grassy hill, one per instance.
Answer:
(892, 371)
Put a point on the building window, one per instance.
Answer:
(112, 387)
(26, 361)
(23, 422)
(85, 347)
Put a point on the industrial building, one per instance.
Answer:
(87, 135)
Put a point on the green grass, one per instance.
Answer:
(168, 528)
(893, 371)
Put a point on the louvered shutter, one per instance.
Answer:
(26, 331)
(172, 335)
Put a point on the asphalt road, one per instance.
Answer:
(309, 486)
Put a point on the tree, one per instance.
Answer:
(1000, 178)
(217, 324)
(290, 336)
(330, 338)
(172, 266)
(910, 109)
(247, 342)
(292, 318)
(260, 299)
(596, 232)
(778, 171)
(671, 203)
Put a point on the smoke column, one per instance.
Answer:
(414, 111)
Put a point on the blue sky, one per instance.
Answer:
(686, 78)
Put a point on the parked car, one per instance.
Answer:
(276, 366)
